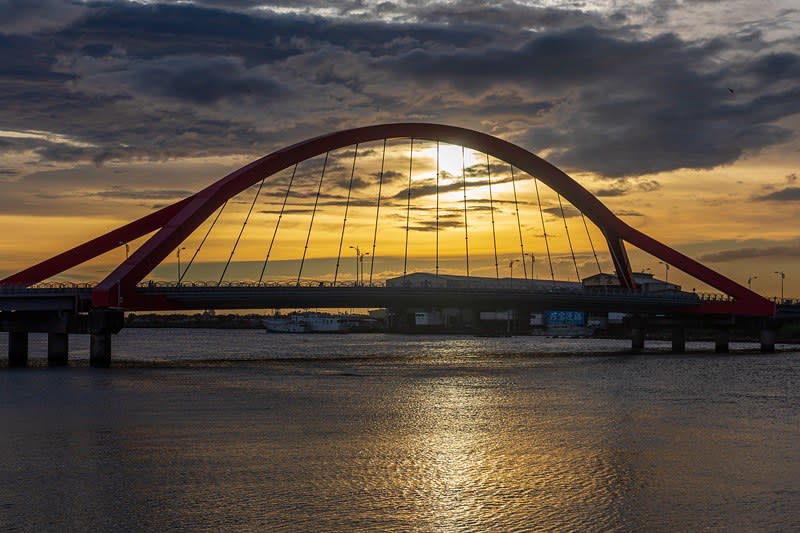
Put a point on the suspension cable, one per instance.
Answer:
(594, 253)
(244, 224)
(569, 240)
(466, 226)
(544, 229)
(202, 242)
(491, 211)
(344, 222)
(277, 224)
(313, 214)
(437, 209)
(408, 208)
(519, 224)
(377, 213)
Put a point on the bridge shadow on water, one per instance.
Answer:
(467, 363)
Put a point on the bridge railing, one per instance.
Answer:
(252, 284)
(65, 286)
(714, 297)
(62, 286)
(577, 289)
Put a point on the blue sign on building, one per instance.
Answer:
(566, 318)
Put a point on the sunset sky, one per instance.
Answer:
(681, 116)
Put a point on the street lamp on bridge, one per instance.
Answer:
(782, 276)
(666, 270)
(750, 282)
(359, 264)
(533, 262)
(361, 261)
(178, 255)
(511, 268)
(125, 244)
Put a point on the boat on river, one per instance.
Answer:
(318, 323)
(294, 323)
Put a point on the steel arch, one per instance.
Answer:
(179, 220)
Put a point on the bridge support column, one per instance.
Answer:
(57, 349)
(18, 348)
(721, 340)
(768, 337)
(637, 339)
(100, 350)
(102, 323)
(678, 339)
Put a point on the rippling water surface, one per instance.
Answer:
(245, 431)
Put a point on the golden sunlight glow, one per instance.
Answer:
(450, 158)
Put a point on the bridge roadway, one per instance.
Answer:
(275, 297)
(234, 296)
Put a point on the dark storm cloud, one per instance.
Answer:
(203, 80)
(568, 212)
(778, 66)
(121, 193)
(26, 16)
(612, 191)
(628, 213)
(480, 170)
(152, 194)
(356, 183)
(639, 106)
(788, 194)
(724, 256)
(156, 30)
(511, 15)
(389, 176)
(512, 105)
(150, 81)
(432, 226)
(623, 187)
(293, 211)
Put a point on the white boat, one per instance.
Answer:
(319, 323)
(309, 323)
(322, 323)
(294, 323)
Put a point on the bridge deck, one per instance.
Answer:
(283, 297)
(409, 297)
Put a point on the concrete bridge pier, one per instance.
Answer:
(721, 341)
(678, 339)
(637, 340)
(100, 350)
(102, 324)
(57, 349)
(636, 326)
(637, 329)
(768, 337)
(18, 348)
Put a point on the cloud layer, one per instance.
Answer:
(590, 89)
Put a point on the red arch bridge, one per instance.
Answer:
(430, 216)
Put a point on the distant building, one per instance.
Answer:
(645, 280)
(450, 281)
(568, 322)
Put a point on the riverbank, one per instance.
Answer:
(788, 334)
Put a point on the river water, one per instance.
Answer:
(204, 430)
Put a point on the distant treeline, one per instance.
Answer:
(200, 320)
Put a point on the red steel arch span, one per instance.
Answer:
(177, 221)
